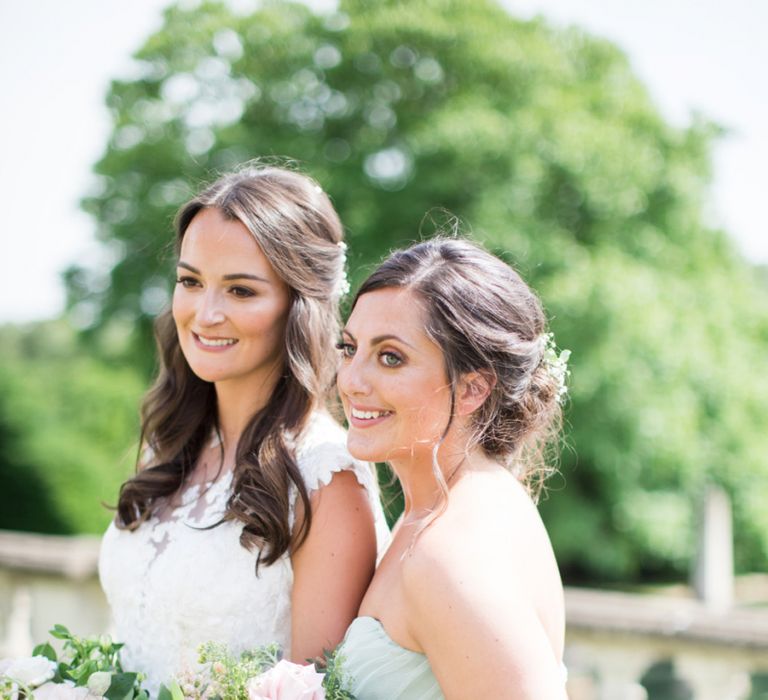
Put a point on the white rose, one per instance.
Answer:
(61, 691)
(99, 682)
(30, 671)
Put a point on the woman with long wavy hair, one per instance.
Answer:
(247, 521)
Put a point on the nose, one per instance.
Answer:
(352, 378)
(210, 310)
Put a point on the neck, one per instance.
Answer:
(238, 402)
(421, 488)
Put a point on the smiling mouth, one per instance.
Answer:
(369, 415)
(214, 342)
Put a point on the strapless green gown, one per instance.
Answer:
(379, 669)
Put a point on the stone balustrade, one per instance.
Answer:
(612, 640)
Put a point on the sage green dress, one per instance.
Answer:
(380, 669)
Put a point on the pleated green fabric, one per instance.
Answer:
(382, 670)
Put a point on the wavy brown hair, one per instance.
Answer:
(485, 318)
(297, 228)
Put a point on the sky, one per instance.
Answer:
(57, 58)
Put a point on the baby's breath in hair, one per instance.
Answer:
(341, 288)
(556, 364)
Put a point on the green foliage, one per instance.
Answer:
(225, 676)
(68, 424)
(336, 680)
(235, 673)
(549, 146)
(83, 657)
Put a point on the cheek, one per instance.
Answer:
(179, 307)
(266, 324)
(429, 409)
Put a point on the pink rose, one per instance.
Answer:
(287, 681)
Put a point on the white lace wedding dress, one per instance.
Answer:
(172, 586)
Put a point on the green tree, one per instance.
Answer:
(549, 147)
(68, 431)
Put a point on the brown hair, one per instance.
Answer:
(485, 318)
(297, 228)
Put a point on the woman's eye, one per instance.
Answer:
(347, 349)
(187, 281)
(242, 292)
(391, 359)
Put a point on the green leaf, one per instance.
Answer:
(164, 694)
(170, 692)
(45, 650)
(121, 687)
(60, 632)
(81, 674)
(64, 672)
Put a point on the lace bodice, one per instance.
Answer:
(172, 585)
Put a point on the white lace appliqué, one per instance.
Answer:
(177, 582)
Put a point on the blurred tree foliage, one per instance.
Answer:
(550, 148)
(68, 428)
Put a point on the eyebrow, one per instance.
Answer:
(233, 276)
(381, 338)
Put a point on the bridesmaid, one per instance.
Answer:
(449, 374)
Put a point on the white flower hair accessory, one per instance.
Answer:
(556, 364)
(342, 283)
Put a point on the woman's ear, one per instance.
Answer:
(473, 390)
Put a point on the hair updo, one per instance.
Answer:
(486, 319)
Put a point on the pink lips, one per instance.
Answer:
(212, 348)
(360, 422)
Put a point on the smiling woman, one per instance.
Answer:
(215, 536)
(230, 307)
(449, 374)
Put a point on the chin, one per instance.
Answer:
(208, 374)
(364, 450)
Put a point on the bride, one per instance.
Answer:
(247, 521)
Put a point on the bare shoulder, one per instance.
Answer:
(487, 552)
(489, 513)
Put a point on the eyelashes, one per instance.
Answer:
(387, 358)
(390, 359)
(186, 281)
(238, 291)
(347, 349)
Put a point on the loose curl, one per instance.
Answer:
(297, 228)
(485, 319)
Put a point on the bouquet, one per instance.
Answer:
(88, 668)
(258, 675)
